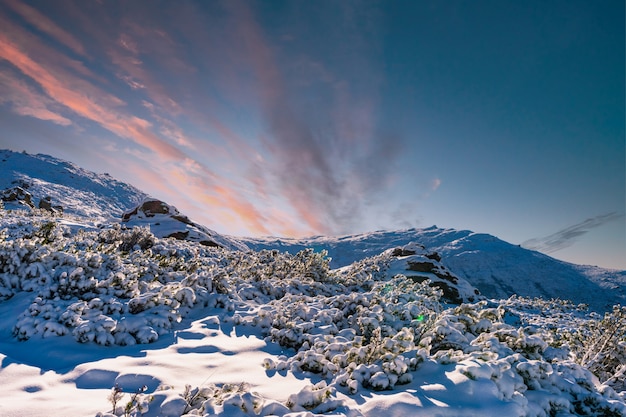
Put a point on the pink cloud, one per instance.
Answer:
(244, 209)
(129, 127)
(26, 101)
(323, 158)
(314, 160)
(44, 24)
(176, 174)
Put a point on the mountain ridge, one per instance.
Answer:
(84, 193)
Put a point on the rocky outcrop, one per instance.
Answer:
(46, 204)
(165, 221)
(419, 264)
(149, 208)
(17, 195)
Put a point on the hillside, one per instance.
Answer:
(497, 268)
(97, 197)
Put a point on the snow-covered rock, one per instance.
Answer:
(165, 220)
(419, 264)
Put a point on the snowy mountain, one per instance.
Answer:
(497, 268)
(42, 181)
(60, 183)
(100, 317)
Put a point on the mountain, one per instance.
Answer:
(42, 178)
(29, 181)
(496, 268)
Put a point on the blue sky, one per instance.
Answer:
(296, 118)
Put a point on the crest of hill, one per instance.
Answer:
(63, 184)
(28, 181)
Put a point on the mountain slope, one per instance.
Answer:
(76, 190)
(497, 268)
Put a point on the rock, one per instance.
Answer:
(18, 195)
(419, 264)
(149, 208)
(46, 204)
(165, 221)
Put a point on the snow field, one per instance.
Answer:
(168, 328)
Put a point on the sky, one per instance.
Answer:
(299, 118)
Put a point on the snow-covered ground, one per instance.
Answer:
(97, 197)
(120, 322)
(100, 317)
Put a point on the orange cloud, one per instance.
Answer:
(26, 101)
(245, 210)
(129, 127)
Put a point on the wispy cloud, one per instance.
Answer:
(26, 101)
(211, 108)
(568, 236)
(327, 160)
(44, 24)
(90, 106)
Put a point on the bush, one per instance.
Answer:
(600, 346)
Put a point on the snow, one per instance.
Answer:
(178, 328)
(109, 319)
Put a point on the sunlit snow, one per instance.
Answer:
(104, 317)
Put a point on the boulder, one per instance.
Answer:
(46, 204)
(165, 221)
(419, 264)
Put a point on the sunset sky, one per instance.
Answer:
(296, 118)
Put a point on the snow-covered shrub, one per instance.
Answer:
(529, 364)
(228, 399)
(356, 328)
(600, 346)
(137, 238)
(85, 285)
(137, 405)
(364, 337)
(310, 397)
(598, 343)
